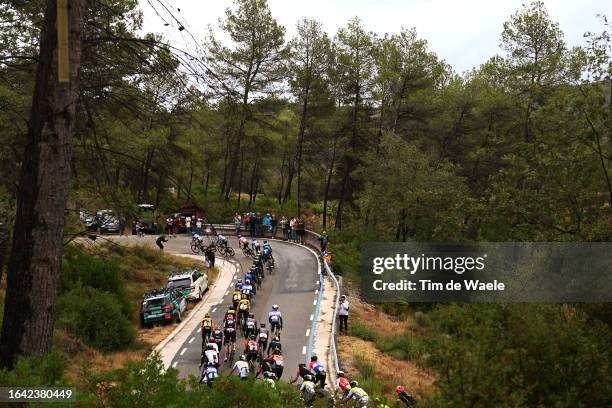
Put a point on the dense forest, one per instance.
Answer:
(370, 136)
(375, 133)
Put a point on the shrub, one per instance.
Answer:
(146, 384)
(35, 371)
(363, 332)
(80, 269)
(96, 317)
(406, 346)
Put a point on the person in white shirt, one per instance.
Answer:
(241, 367)
(343, 312)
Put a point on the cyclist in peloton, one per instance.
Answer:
(358, 394)
(243, 241)
(238, 284)
(221, 241)
(276, 320)
(251, 349)
(229, 327)
(275, 344)
(236, 296)
(278, 364)
(250, 326)
(206, 325)
(216, 337)
(210, 354)
(248, 289)
(255, 246)
(209, 374)
(267, 250)
(264, 367)
(262, 337)
(242, 368)
(244, 306)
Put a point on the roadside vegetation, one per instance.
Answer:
(98, 328)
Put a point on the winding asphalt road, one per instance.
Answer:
(292, 286)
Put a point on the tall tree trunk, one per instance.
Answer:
(241, 175)
(282, 183)
(235, 159)
(291, 173)
(33, 271)
(298, 155)
(328, 183)
(225, 164)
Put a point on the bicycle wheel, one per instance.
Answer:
(195, 247)
(230, 251)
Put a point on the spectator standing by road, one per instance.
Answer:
(237, 222)
(258, 224)
(199, 226)
(293, 229)
(188, 223)
(210, 257)
(122, 225)
(343, 313)
(324, 240)
(273, 225)
(266, 221)
(301, 231)
(285, 226)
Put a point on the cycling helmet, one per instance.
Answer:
(314, 358)
(251, 315)
(308, 377)
(399, 389)
(274, 307)
(262, 324)
(277, 351)
(247, 281)
(242, 357)
(252, 337)
(239, 280)
(340, 373)
(210, 347)
(353, 383)
(207, 315)
(244, 296)
(276, 338)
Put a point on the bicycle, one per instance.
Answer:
(226, 250)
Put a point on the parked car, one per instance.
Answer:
(147, 218)
(107, 221)
(192, 282)
(89, 220)
(162, 306)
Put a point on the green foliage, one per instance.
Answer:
(146, 384)
(96, 317)
(495, 354)
(363, 332)
(80, 269)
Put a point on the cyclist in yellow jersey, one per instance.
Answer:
(244, 306)
(207, 326)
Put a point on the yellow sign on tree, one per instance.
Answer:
(63, 61)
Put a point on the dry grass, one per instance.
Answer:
(390, 371)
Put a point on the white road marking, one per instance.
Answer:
(174, 364)
(199, 329)
(191, 340)
(316, 291)
(307, 332)
(304, 350)
(317, 282)
(183, 351)
(226, 292)
(214, 309)
(311, 317)
(314, 302)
